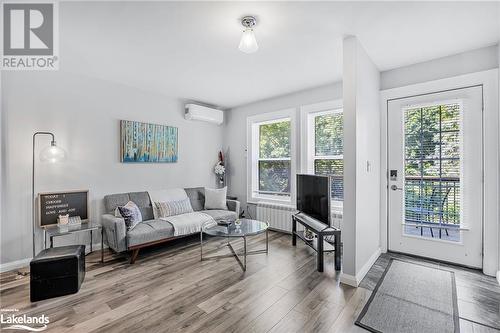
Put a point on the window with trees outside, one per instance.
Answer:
(274, 158)
(432, 170)
(271, 163)
(327, 136)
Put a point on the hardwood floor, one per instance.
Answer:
(169, 289)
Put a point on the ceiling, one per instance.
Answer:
(189, 50)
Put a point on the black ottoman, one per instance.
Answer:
(56, 272)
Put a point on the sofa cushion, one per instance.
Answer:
(219, 214)
(141, 199)
(189, 223)
(112, 201)
(197, 197)
(149, 231)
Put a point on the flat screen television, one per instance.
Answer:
(313, 197)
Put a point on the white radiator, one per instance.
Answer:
(279, 216)
(337, 217)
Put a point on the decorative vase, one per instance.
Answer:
(308, 235)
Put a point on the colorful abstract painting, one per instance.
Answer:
(143, 142)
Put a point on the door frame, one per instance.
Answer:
(468, 249)
(491, 149)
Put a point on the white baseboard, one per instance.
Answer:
(350, 280)
(354, 281)
(366, 267)
(9, 266)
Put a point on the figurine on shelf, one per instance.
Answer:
(63, 220)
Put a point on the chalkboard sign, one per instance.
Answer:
(51, 205)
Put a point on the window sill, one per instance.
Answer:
(256, 200)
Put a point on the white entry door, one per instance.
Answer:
(435, 176)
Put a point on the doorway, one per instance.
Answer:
(435, 162)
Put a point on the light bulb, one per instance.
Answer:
(248, 43)
(52, 154)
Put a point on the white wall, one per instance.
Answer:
(84, 114)
(235, 130)
(467, 62)
(2, 159)
(498, 53)
(361, 162)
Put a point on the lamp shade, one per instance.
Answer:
(248, 43)
(52, 154)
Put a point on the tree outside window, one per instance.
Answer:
(432, 164)
(329, 150)
(274, 160)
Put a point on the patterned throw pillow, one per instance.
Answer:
(131, 214)
(171, 208)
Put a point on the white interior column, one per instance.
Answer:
(360, 228)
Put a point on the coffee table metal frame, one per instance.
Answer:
(236, 255)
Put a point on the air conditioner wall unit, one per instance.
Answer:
(203, 113)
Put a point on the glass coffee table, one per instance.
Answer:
(241, 228)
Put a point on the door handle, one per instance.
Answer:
(395, 188)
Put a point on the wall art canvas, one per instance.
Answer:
(147, 143)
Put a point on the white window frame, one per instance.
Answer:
(307, 115)
(253, 123)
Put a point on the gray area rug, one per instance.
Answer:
(412, 298)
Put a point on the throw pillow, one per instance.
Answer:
(131, 214)
(215, 198)
(171, 208)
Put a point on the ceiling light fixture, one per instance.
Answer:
(248, 43)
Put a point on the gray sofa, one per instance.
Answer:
(151, 231)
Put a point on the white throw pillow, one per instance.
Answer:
(215, 198)
(172, 194)
(172, 208)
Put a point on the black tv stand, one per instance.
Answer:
(319, 245)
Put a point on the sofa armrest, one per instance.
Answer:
(233, 205)
(116, 232)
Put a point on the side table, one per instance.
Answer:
(56, 231)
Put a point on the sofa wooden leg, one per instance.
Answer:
(134, 255)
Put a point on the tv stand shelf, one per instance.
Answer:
(327, 247)
(318, 244)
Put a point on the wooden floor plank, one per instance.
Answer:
(170, 290)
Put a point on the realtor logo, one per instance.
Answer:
(29, 36)
(10, 320)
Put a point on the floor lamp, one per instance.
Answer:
(51, 154)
